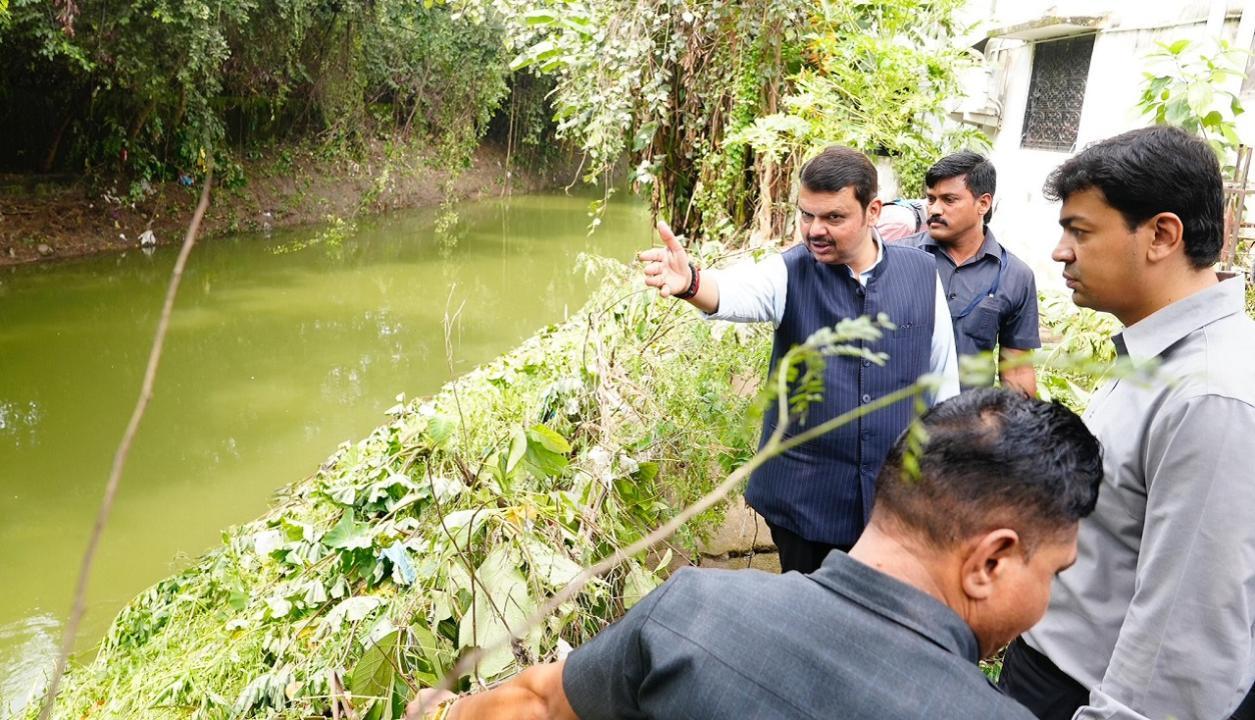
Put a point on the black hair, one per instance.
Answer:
(978, 173)
(839, 167)
(992, 458)
(1142, 173)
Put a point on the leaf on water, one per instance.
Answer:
(348, 534)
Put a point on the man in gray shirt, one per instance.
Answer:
(1156, 618)
(957, 559)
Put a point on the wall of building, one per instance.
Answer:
(1024, 220)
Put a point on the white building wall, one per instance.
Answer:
(1023, 220)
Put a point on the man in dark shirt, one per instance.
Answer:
(991, 293)
(957, 559)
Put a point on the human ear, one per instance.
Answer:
(1167, 236)
(983, 203)
(987, 561)
(873, 211)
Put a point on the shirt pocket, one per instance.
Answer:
(981, 325)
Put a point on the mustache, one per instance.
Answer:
(937, 219)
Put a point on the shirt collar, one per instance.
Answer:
(866, 275)
(988, 247)
(1152, 335)
(897, 602)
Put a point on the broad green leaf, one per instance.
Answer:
(501, 606)
(646, 472)
(431, 661)
(1200, 97)
(296, 531)
(551, 565)
(518, 447)
(374, 672)
(351, 610)
(439, 429)
(539, 17)
(1178, 110)
(637, 585)
(550, 439)
(348, 534)
(1179, 46)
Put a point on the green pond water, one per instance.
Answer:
(281, 347)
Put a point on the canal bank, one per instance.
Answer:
(281, 347)
(46, 218)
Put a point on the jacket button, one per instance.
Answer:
(867, 363)
(867, 398)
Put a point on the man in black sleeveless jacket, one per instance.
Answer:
(818, 497)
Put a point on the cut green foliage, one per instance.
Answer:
(434, 536)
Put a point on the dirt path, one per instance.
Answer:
(45, 218)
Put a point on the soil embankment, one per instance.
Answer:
(45, 218)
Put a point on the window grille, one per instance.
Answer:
(1056, 93)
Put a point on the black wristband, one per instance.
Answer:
(695, 282)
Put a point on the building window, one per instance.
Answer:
(1056, 93)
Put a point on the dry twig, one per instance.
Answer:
(124, 449)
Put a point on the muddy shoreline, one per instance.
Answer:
(50, 218)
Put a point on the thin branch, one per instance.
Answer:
(124, 449)
(774, 446)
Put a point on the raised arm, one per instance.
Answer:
(667, 268)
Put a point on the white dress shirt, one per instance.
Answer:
(757, 292)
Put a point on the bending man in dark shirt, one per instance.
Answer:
(954, 563)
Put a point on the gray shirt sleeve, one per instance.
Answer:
(1185, 648)
(602, 678)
